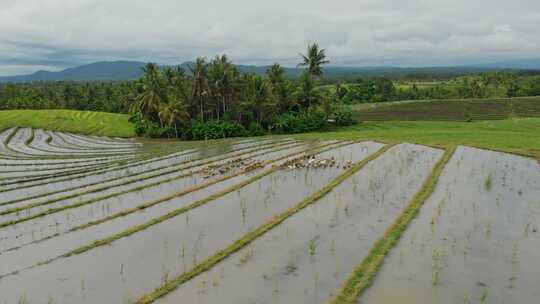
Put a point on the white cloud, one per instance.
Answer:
(61, 33)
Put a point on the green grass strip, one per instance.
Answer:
(254, 234)
(363, 274)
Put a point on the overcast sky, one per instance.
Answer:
(54, 34)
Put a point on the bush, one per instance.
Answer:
(144, 127)
(216, 129)
(344, 117)
(298, 122)
(255, 129)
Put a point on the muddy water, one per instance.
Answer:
(114, 273)
(17, 143)
(61, 221)
(107, 174)
(306, 259)
(40, 142)
(77, 141)
(4, 135)
(124, 182)
(33, 252)
(476, 240)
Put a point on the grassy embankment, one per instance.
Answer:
(82, 122)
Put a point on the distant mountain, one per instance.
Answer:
(104, 70)
(518, 64)
(129, 70)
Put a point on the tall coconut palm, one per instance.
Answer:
(152, 94)
(281, 87)
(276, 74)
(200, 84)
(307, 94)
(223, 76)
(314, 59)
(258, 97)
(174, 113)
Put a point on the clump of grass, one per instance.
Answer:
(466, 298)
(484, 297)
(23, 300)
(245, 257)
(313, 246)
(436, 266)
(243, 207)
(488, 182)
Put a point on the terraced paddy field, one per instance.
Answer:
(86, 219)
(449, 109)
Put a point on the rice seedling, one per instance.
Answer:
(484, 297)
(23, 300)
(313, 246)
(436, 266)
(245, 257)
(488, 182)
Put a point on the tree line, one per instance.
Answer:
(213, 99)
(499, 84)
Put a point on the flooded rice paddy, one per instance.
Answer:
(86, 219)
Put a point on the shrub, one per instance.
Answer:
(216, 129)
(144, 127)
(298, 122)
(254, 129)
(344, 117)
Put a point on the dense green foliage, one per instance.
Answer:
(298, 122)
(113, 97)
(485, 85)
(217, 129)
(215, 100)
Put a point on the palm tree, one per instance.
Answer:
(281, 87)
(314, 59)
(174, 113)
(200, 83)
(307, 95)
(148, 101)
(223, 76)
(258, 97)
(276, 74)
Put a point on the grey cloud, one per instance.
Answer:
(61, 33)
